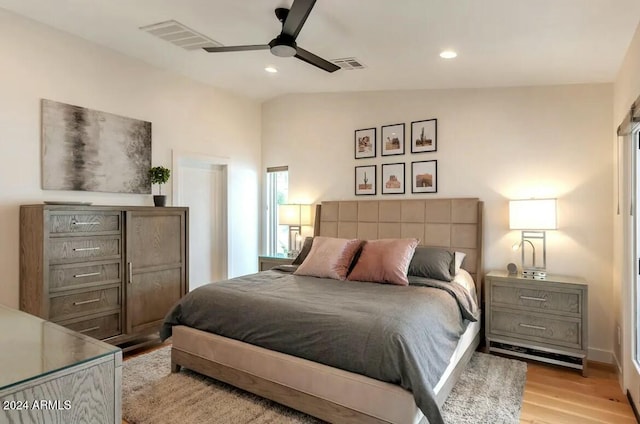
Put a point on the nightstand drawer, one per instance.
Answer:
(561, 332)
(265, 263)
(536, 298)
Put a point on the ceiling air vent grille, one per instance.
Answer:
(180, 35)
(349, 63)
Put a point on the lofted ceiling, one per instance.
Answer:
(499, 42)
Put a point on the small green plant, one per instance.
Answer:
(159, 175)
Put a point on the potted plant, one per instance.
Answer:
(159, 175)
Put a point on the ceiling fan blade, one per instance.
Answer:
(236, 48)
(297, 16)
(314, 60)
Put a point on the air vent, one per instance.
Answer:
(180, 35)
(348, 63)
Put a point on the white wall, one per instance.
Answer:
(40, 62)
(495, 144)
(626, 91)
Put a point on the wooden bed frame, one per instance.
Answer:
(325, 392)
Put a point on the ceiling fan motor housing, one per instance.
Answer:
(283, 46)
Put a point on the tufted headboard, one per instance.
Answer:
(454, 224)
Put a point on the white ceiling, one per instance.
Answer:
(499, 42)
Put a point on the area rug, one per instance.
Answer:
(489, 391)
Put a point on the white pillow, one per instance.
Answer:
(458, 258)
(466, 280)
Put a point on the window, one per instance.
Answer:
(277, 236)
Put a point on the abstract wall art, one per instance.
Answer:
(89, 150)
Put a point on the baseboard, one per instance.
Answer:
(618, 366)
(600, 355)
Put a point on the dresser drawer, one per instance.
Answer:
(79, 222)
(99, 328)
(536, 298)
(72, 276)
(557, 331)
(83, 249)
(83, 303)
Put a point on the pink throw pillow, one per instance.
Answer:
(384, 261)
(329, 258)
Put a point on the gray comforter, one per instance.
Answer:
(401, 335)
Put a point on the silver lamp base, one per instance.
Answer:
(534, 273)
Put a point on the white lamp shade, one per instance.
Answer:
(294, 214)
(533, 214)
(305, 215)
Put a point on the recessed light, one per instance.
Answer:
(448, 54)
(271, 69)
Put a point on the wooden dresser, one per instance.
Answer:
(109, 272)
(544, 320)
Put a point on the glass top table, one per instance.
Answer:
(31, 347)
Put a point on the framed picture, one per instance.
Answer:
(90, 150)
(392, 178)
(424, 176)
(365, 180)
(424, 136)
(392, 140)
(365, 143)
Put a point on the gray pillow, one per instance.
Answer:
(306, 247)
(432, 262)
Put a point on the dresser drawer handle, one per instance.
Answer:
(535, 327)
(84, 302)
(85, 223)
(539, 299)
(90, 274)
(84, 249)
(86, 330)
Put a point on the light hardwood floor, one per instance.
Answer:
(555, 395)
(559, 395)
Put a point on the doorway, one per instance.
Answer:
(200, 182)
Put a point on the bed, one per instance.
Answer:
(329, 392)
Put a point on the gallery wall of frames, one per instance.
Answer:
(420, 169)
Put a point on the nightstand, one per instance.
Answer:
(545, 320)
(265, 263)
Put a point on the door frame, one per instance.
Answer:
(178, 158)
(628, 157)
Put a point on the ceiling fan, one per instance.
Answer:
(284, 45)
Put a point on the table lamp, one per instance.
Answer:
(533, 217)
(294, 216)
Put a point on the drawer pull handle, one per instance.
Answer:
(84, 249)
(130, 264)
(90, 274)
(535, 327)
(84, 302)
(86, 330)
(85, 223)
(539, 299)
